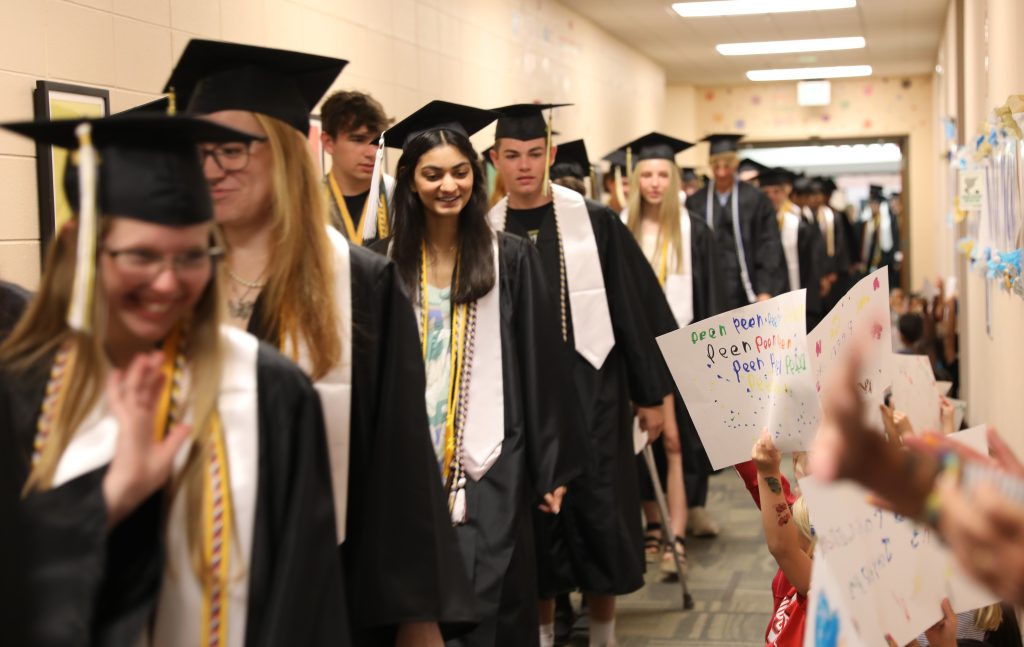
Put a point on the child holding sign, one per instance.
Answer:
(787, 531)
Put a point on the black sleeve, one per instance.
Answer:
(401, 555)
(811, 251)
(296, 592)
(769, 272)
(555, 437)
(707, 288)
(64, 534)
(649, 379)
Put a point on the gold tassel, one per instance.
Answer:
(80, 308)
(595, 191)
(172, 103)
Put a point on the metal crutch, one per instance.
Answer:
(659, 495)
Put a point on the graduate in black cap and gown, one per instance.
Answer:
(691, 182)
(802, 242)
(123, 340)
(752, 263)
(838, 238)
(681, 249)
(583, 251)
(506, 435)
(572, 167)
(880, 236)
(342, 313)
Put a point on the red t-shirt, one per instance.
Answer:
(786, 628)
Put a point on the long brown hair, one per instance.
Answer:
(669, 227)
(43, 329)
(299, 296)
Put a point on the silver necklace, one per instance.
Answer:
(242, 308)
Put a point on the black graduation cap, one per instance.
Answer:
(435, 116)
(156, 107)
(149, 167)
(211, 76)
(654, 146)
(747, 164)
(688, 173)
(775, 177)
(571, 160)
(802, 185)
(828, 185)
(723, 143)
(876, 193)
(524, 121)
(616, 160)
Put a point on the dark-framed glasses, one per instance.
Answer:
(148, 264)
(232, 156)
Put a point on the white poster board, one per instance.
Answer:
(745, 370)
(914, 392)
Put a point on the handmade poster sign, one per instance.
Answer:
(883, 573)
(745, 370)
(862, 313)
(914, 391)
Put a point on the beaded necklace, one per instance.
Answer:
(462, 341)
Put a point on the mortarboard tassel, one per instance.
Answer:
(594, 191)
(373, 200)
(80, 308)
(620, 195)
(172, 103)
(547, 158)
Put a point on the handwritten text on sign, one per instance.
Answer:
(744, 370)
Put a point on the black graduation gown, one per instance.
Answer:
(600, 527)
(810, 247)
(400, 560)
(762, 244)
(89, 586)
(845, 250)
(886, 258)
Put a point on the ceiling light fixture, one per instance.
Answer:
(804, 73)
(748, 7)
(791, 46)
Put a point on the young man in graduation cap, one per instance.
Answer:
(802, 243)
(691, 181)
(352, 122)
(616, 181)
(593, 265)
(752, 263)
(837, 235)
(880, 236)
(572, 167)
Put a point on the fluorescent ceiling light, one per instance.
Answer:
(790, 46)
(747, 7)
(802, 73)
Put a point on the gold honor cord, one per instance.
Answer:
(354, 231)
(460, 315)
(663, 263)
(217, 531)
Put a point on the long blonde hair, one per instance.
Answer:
(802, 520)
(669, 227)
(43, 329)
(299, 296)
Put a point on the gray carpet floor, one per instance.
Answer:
(729, 578)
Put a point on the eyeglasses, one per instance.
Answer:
(228, 157)
(147, 264)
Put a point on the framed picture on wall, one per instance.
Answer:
(316, 145)
(60, 101)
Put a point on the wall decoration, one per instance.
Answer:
(59, 101)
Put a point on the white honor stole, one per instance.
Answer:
(884, 230)
(678, 289)
(483, 429)
(588, 299)
(790, 231)
(335, 388)
(179, 609)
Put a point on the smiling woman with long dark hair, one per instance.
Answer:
(501, 423)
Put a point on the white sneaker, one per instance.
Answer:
(700, 524)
